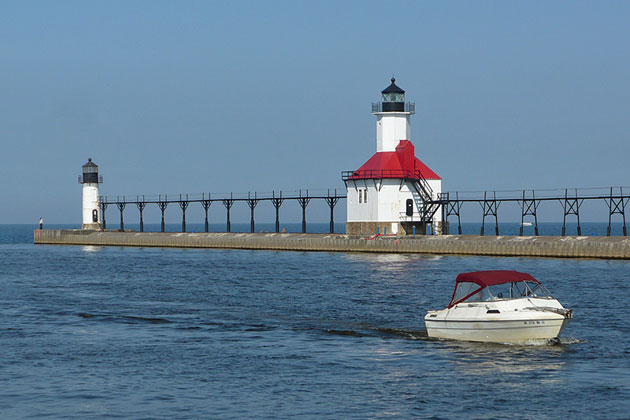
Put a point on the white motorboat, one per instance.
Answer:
(499, 306)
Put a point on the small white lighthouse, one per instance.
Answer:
(393, 192)
(90, 181)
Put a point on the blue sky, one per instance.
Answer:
(176, 97)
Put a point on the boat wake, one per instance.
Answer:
(128, 319)
(569, 340)
(380, 332)
(559, 341)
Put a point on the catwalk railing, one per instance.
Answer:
(408, 107)
(451, 204)
(252, 199)
(570, 200)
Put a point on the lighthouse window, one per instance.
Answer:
(393, 97)
(362, 196)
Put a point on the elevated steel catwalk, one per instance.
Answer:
(302, 197)
(570, 199)
(450, 203)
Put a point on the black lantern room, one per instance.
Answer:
(90, 173)
(393, 98)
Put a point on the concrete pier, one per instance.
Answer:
(614, 247)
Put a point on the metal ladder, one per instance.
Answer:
(429, 207)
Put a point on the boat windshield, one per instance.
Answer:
(518, 289)
(469, 292)
(472, 292)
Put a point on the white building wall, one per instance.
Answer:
(90, 203)
(389, 200)
(387, 205)
(436, 187)
(363, 211)
(391, 127)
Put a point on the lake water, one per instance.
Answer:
(90, 332)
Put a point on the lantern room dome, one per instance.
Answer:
(90, 173)
(89, 164)
(393, 98)
(393, 88)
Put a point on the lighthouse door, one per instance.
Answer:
(95, 216)
(409, 207)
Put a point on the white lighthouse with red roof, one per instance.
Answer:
(393, 192)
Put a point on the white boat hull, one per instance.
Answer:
(506, 321)
(497, 331)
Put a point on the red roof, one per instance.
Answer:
(492, 277)
(399, 164)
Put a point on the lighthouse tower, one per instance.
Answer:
(90, 181)
(393, 192)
